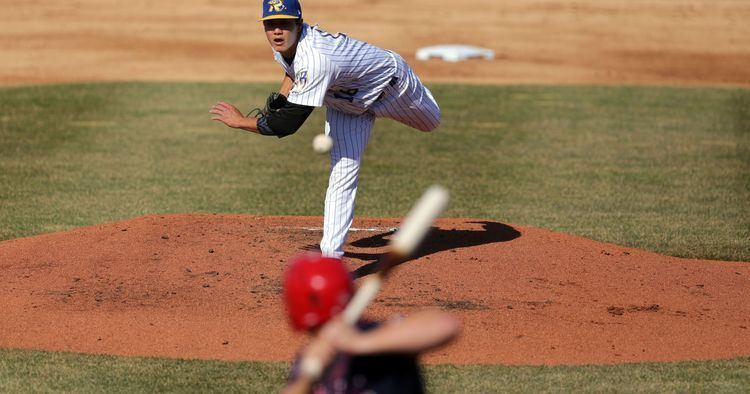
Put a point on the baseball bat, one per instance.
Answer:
(404, 243)
(406, 240)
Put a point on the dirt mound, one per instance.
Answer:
(207, 286)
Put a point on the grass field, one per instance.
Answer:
(65, 372)
(663, 169)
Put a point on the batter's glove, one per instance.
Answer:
(274, 103)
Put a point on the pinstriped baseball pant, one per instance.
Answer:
(407, 101)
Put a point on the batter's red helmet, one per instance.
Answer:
(316, 288)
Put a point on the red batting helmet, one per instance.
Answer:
(316, 288)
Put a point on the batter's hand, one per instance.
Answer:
(229, 115)
(321, 350)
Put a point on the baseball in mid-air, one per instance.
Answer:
(322, 143)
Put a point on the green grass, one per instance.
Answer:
(708, 376)
(664, 169)
(31, 371)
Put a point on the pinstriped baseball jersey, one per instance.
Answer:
(337, 71)
(358, 83)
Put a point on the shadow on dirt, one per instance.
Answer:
(437, 240)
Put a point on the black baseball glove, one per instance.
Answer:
(274, 103)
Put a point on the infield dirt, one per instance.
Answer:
(208, 286)
(549, 41)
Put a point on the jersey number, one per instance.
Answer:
(346, 94)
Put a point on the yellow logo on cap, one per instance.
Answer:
(275, 6)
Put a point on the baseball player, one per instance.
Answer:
(357, 82)
(372, 357)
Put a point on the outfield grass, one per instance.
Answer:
(664, 169)
(29, 371)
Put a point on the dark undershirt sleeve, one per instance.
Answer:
(284, 121)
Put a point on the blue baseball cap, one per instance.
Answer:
(281, 9)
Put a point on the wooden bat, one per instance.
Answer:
(404, 243)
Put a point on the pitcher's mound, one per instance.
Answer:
(208, 286)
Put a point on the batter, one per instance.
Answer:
(370, 357)
(357, 82)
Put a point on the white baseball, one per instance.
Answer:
(322, 143)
